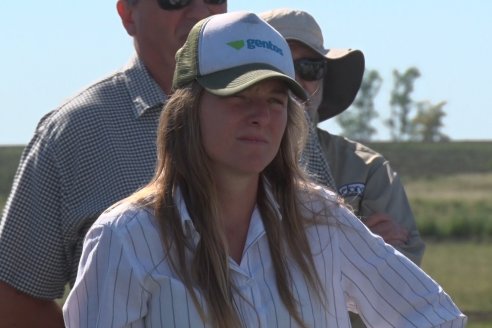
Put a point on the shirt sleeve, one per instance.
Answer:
(384, 192)
(32, 247)
(385, 287)
(106, 278)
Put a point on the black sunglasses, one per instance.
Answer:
(179, 4)
(310, 69)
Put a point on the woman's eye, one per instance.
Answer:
(235, 100)
(238, 97)
(278, 101)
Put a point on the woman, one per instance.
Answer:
(229, 233)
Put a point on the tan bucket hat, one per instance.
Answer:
(345, 66)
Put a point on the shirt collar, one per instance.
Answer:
(186, 222)
(256, 223)
(144, 91)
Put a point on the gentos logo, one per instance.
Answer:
(255, 43)
(352, 190)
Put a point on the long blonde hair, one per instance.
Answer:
(182, 164)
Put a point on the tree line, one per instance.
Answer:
(409, 120)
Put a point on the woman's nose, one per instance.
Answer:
(260, 112)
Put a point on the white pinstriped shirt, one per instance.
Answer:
(125, 280)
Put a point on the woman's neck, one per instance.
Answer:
(236, 204)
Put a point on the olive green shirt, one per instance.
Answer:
(366, 181)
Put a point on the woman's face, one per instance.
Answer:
(241, 134)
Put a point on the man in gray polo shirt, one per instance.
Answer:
(93, 150)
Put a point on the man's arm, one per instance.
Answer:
(384, 225)
(20, 310)
(385, 193)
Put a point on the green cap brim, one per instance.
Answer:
(231, 81)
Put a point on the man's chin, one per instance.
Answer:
(183, 31)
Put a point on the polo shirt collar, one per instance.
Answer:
(143, 89)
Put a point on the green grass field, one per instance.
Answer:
(9, 159)
(458, 210)
(454, 214)
(417, 159)
(456, 206)
(464, 270)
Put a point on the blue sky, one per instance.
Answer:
(52, 49)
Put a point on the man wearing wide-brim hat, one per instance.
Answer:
(364, 178)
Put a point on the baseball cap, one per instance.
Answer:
(345, 67)
(227, 53)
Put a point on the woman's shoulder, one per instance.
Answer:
(327, 204)
(131, 231)
(318, 196)
(124, 216)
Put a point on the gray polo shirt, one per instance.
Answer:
(93, 150)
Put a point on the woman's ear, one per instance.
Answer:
(125, 11)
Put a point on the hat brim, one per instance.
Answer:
(342, 81)
(231, 81)
(343, 78)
